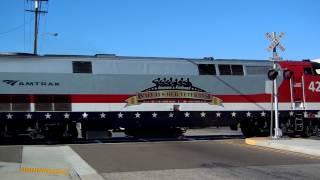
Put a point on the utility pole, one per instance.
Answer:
(275, 57)
(37, 11)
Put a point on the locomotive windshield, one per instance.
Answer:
(316, 68)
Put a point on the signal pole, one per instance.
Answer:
(37, 11)
(275, 57)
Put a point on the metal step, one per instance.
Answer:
(299, 128)
(298, 122)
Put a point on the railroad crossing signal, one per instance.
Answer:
(272, 75)
(275, 43)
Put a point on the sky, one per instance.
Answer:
(231, 29)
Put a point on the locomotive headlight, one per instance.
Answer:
(272, 74)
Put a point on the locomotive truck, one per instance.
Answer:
(45, 96)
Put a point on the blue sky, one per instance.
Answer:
(170, 28)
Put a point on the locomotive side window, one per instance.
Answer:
(226, 69)
(307, 71)
(20, 103)
(82, 67)
(237, 69)
(316, 68)
(207, 69)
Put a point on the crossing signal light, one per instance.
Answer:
(287, 74)
(272, 74)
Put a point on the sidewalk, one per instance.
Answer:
(12, 171)
(306, 146)
(48, 163)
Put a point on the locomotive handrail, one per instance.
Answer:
(303, 92)
(291, 94)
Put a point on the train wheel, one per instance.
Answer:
(246, 129)
(3, 131)
(291, 135)
(53, 132)
(316, 130)
(307, 132)
(234, 127)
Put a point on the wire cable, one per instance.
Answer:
(13, 29)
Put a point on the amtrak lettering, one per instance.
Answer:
(173, 91)
(30, 83)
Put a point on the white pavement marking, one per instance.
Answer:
(57, 158)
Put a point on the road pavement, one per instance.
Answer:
(220, 159)
(205, 159)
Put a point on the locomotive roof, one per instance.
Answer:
(113, 64)
(205, 60)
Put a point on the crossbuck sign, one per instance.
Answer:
(275, 43)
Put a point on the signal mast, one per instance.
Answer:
(275, 57)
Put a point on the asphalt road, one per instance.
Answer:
(220, 159)
(208, 159)
(11, 154)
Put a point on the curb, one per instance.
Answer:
(251, 142)
(296, 145)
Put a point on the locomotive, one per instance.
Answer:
(45, 96)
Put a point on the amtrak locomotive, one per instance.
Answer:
(67, 96)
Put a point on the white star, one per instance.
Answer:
(66, 115)
(9, 116)
(186, 114)
(102, 115)
(171, 115)
(85, 115)
(154, 115)
(218, 114)
(137, 115)
(120, 115)
(48, 116)
(263, 114)
(248, 114)
(291, 113)
(233, 114)
(29, 116)
(203, 114)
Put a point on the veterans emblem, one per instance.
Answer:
(173, 91)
